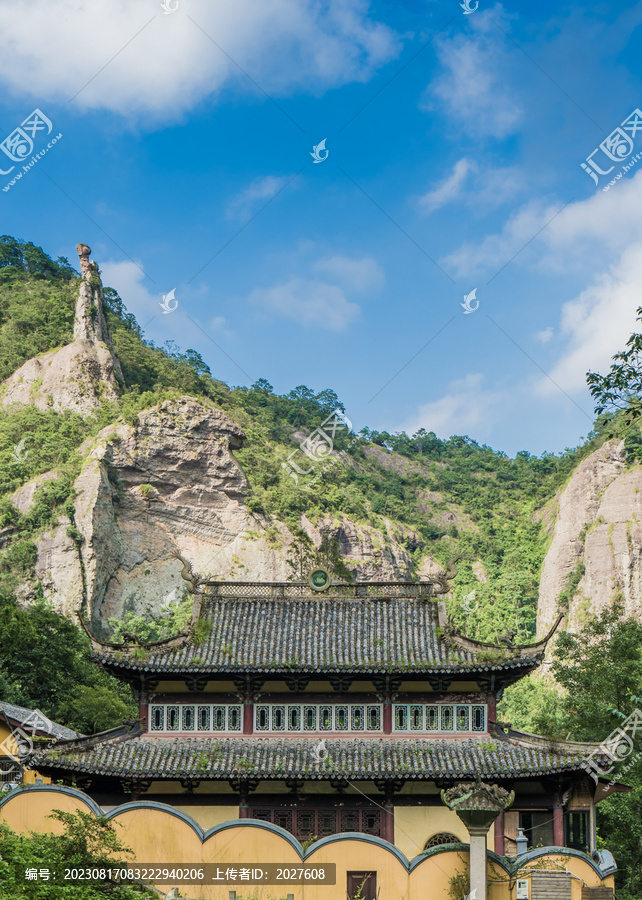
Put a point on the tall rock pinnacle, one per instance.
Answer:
(90, 324)
(82, 375)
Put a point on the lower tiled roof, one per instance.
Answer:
(36, 721)
(149, 757)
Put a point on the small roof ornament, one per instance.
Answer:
(319, 579)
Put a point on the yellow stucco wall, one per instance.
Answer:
(415, 824)
(158, 836)
(209, 816)
(9, 746)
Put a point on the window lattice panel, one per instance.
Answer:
(167, 717)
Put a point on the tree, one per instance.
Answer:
(45, 662)
(87, 842)
(600, 669)
(301, 555)
(262, 386)
(621, 387)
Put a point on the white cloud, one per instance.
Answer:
(582, 236)
(308, 302)
(600, 240)
(448, 189)
(466, 407)
(353, 274)
(496, 250)
(544, 336)
(127, 57)
(128, 279)
(255, 195)
(322, 302)
(481, 187)
(597, 324)
(474, 88)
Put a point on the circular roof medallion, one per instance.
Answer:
(319, 579)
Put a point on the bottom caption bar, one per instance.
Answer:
(209, 873)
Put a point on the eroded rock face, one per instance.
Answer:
(168, 483)
(81, 375)
(598, 523)
(367, 552)
(171, 483)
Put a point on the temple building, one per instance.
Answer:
(326, 708)
(21, 730)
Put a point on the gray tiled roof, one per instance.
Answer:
(37, 720)
(147, 757)
(320, 635)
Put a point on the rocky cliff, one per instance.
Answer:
(80, 375)
(167, 483)
(596, 526)
(171, 483)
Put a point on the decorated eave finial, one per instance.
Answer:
(503, 642)
(187, 574)
(441, 581)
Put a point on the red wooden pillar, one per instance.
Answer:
(387, 714)
(558, 826)
(499, 834)
(491, 703)
(248, 714)
(143, 710)
(388, 817)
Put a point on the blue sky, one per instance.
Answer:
(454, 148)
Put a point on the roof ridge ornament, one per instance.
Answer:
(444, 578)
(319, 578)
(450, 634)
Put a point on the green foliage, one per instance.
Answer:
(459, 883)
(600, 669)
(600, 673)
(621, 388)
(45, 662)
(533, 706)
(87, 842)
(303, 557)
(148, 628)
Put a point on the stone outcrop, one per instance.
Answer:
(597, 525)
(80, 375)
(171, 483)
(167, 483)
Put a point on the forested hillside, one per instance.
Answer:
(448, 498)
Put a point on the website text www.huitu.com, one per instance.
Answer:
(626, 168)
(34, 159)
